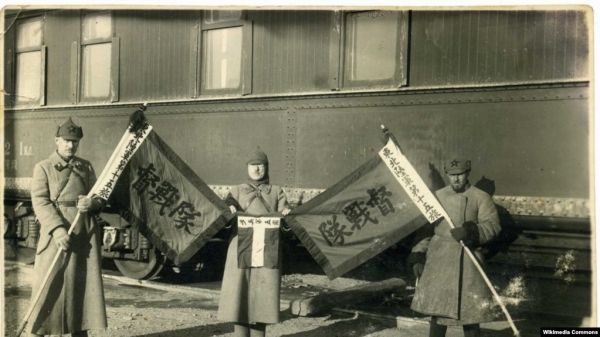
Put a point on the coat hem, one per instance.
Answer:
(66, 331)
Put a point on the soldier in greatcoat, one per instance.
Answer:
(450, 289)
(250, 296)
(74, 298)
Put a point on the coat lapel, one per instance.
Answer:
(63, 170)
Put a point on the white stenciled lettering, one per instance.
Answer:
(25, 150)
(7, 149)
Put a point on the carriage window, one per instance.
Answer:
(96, 49)
(29, 62)
(371, 44)
(225, 52)
(223, 58)
(374, 49)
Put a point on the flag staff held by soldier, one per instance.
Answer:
(73, 300)
(67, 294)
(467, 219)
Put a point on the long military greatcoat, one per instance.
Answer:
(450, 287)
(251, 295)
(75, 298)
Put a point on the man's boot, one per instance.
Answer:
(472, 330)
(436, 330)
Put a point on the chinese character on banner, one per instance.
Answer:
(333, 232)
(185, 215)
(358, 215)
(146, 177)
(164, 195)
(380, 198)
(411, 182)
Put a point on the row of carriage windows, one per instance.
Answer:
(96, 45)
(370, 47)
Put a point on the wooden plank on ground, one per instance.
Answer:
(324, 302)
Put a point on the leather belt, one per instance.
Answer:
(67, 203)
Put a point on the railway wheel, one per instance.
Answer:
(142, 270)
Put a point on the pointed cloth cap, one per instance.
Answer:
(258, 157)
(69, 130)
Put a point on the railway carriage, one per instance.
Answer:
(508, 88)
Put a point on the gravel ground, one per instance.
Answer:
(140, 310)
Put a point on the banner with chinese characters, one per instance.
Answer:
(356, 219)
(128, 145)
(172, 206)
(258, 241)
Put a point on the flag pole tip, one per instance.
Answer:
(137, 120)
(385, 134)
(384, 129)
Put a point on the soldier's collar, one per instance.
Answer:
(55, 158)
(60, 163)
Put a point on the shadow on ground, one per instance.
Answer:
(197, 331)
(346, 326)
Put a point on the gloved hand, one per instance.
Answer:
(468, 233)
(417, 269)
(458, 233)
(233, 204)
(88, 204)
(416, 263)
(61, 238)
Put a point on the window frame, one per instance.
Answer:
(339, 69)
(42, 48)
(245, 87)
(77, 54)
